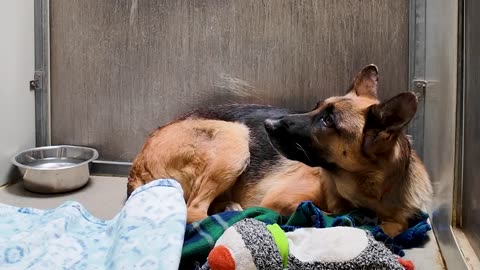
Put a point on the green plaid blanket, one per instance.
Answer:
(200, 237)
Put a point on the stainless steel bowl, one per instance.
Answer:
(54, 169)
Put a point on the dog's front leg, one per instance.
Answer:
(233, 206)
(393, 227)
(218, 207)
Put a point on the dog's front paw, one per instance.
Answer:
(392, 228)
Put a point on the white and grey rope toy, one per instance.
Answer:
(252, 244)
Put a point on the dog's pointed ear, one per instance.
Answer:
(394, 114)
(385, 121)
(366, 82)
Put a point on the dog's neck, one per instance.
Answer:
(414, 183)
(397, 168)
(391, 182)
(407, 179)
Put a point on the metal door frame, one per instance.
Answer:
(436, 71)
(41, 82)
(41, 86)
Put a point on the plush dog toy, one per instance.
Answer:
(252, 244)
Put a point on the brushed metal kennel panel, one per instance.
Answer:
(471, 158)
(122, 68)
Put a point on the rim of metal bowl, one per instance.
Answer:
(20, 165)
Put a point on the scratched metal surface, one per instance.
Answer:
(121, 68)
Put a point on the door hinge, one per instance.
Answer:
(419, 88)
(420, 85)
(37, 82)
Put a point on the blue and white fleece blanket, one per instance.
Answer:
(148, 233)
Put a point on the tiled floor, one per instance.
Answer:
(104, 196)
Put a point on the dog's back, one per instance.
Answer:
(263, 157)
(222, 154)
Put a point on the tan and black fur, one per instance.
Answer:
(349, 151)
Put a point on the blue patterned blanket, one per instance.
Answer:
(144, 235)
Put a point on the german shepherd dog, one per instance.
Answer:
(350, 151)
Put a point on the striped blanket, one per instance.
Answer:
(200, 236)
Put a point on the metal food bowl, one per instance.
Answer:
(54, 169)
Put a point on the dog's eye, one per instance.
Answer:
(327, 120)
